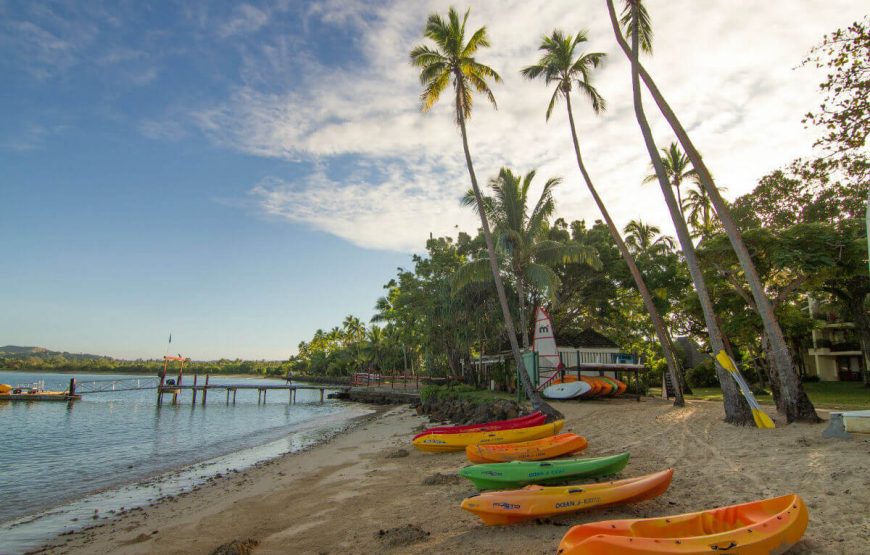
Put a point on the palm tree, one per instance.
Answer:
(563, 65)
(677, 168)
(643, 238)
(795, 401)
(699, 211)
(521, 237)
(452, 61)
(636, 21)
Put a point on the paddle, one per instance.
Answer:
(761, 418)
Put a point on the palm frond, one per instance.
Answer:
(476, 271)
(644, 30)
(544, 279)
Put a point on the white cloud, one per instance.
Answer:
(166, 130)
(726, 71)
(247, 19)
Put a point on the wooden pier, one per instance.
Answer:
(262, 391)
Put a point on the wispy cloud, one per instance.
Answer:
(738, 94)
(246, 19)
(31, 136)
(165, 130)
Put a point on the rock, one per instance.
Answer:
(237, 547)
(402, 535)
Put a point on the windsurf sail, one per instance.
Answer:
(544, 342)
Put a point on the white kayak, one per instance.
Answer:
(567, 390)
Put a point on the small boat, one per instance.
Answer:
(535, 450)
(534, 419)
(517, 474)
(566, 390)
(765, 526)
(510, 507)
(443, 443)
(34, 393)
(610, 384)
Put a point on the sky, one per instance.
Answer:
(241, 174)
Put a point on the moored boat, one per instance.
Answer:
(443, 443)
(521, 473)
(535, 450)
(760, 527)
(510, 507)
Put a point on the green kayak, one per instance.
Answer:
(516, 474)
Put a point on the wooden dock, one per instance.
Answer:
(262, 391)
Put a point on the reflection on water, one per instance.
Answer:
(56, 454)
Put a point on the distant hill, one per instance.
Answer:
(15, 351)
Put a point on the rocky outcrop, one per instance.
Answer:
(376, 396)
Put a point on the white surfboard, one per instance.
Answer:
(567, 390)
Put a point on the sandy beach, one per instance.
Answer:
(369, 491)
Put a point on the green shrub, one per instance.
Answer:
(702, 375)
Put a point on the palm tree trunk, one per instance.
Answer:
(736, 408)
(799, 406)
(524, 320)
(658, 323)
(531, 394)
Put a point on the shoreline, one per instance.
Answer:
(148, 491)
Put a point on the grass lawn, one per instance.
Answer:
(824, 395)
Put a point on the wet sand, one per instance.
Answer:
(369, 491)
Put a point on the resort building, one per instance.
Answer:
(836, 353)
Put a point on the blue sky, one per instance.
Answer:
(242, 174)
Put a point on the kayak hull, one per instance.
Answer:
(511, 507)
(566, 390)
(534, 419)
(517, 474)
(760, 527)
(445, 443)
(535, 450)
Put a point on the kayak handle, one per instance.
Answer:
(715, 547)
(578, 490)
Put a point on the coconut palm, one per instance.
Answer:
(563, 65)
(452, 61)
(644, 238)
(794, 399)
(677, 168)
(521, 239)
(636, 22)
(698, 211)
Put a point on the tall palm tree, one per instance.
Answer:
(521, 237)
(452, 61)
(797, 405)
(636, 21)
(562, 64)
(677, 168)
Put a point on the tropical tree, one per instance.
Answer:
(646, 239)
(635, 19)
(563, 65)
(637, 24)
(521, 237)
(698, 211)
(677, 168)
(452, 61)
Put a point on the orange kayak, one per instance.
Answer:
(760, 527)
(536, 450)
(443, 443)
(613, 388)
(596, 387)
(510, 507)
(621, 385)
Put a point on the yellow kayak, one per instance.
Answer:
(443, 443)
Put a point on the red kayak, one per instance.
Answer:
(535, 419)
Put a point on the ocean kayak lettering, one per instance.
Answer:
(577, 502)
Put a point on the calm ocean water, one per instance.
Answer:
(61, 461)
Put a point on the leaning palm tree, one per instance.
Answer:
(797, 405)
(677, 168)
(636, 21)
(452, 61)
(564, 66)
(521, 238)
